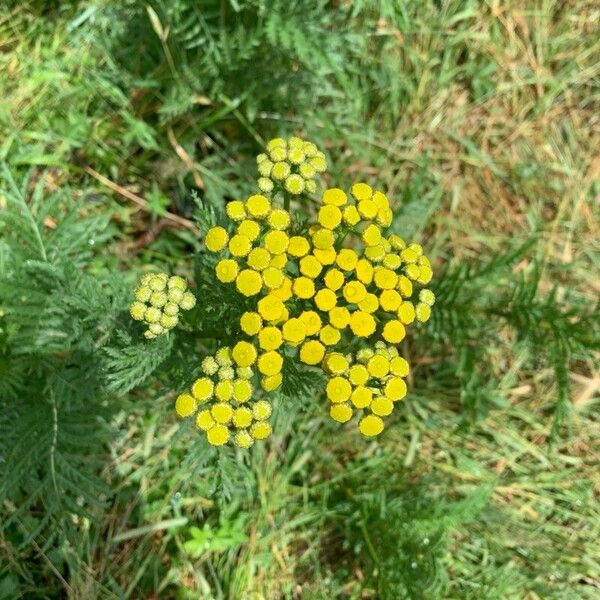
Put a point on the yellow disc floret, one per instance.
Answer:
(258, 206)
(394, 332)
(340, 412)
(338, 389)
(227, 270)
(325, 299)
(270, 363)
(203, 389)
(370, 425)
(185, 405)
(329, 216)
(362, 323)
(217, 435)
(248, 282)
(244, 354)
(294, 330)
(334, 197)
(312, 352)
(216, 239)
(270, 307)
(250, 323)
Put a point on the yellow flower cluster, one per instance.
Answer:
(372, 381)
(311, 292)
(158, 300)
(221, 400)
(314, 295)
(291, 165)
(367, 287)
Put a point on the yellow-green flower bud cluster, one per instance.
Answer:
(291, 165)
(221, 400)
(370, 382)
(158, 300)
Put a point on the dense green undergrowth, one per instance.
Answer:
(125, 126)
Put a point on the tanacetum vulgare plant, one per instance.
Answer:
(336, 294)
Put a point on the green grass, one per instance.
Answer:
(480, 120)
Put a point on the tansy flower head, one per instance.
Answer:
(294, 331)
(280, 171)
(311, 321)
(137, 310)
(216, 239)
(310, 266)
(298, 246)
(266, 186)
(279, 219)
(209, 365)
(294, 184)
(276, 242)
(270, 363)
(243, 354)
(248, 282)
(312, 352)
(235, 210)
(270, 338)
(249, 228)
(227, 270)
(336, 363)
(258, 206)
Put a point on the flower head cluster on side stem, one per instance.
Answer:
(224, 402)
(158, 301)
